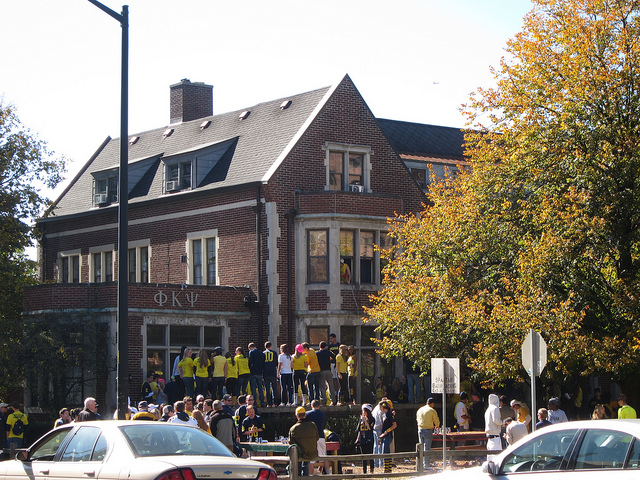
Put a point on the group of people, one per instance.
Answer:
(375, 433)
(295, 376)
(505, 422)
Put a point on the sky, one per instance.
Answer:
(412, 60)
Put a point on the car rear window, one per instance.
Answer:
(162, 439)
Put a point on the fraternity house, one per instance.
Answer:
(254, 225)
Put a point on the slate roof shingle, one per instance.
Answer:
(423, 140)
(260, 140)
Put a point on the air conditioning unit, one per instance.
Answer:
(100, 198)
(356, 188)
(172, 186)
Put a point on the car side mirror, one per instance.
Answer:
(23, 456)
(490, 467)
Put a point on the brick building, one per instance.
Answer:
(238, 226)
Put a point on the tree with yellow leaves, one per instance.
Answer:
(543, 230)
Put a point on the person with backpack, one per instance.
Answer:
(15, 426)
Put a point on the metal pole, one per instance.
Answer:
(535, 346)
(444, 417)
(123, 223)
(122, 307)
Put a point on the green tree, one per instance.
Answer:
(542, 230)
(26, 168)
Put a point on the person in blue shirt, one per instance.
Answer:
(318, 417)
(256, 367)
(270, 374)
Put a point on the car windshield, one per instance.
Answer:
(149, 439)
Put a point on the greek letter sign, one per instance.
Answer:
(445, 375)
(174, 299)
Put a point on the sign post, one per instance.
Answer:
(534, 359)
(445, 378)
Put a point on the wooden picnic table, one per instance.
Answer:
(469, 436)
(266, 451)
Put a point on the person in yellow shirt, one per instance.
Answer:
(313, 372)
(218, 373)
(427, 419)
(343, 378)
(202, 372)
(186, 372)
(352, 369)
(244, 373)
(231, 374)
(300, 375)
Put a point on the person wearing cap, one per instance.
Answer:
(555, 414)
(304, 435)
(167, 412)
(218, 373)
(521, 411)
(299, 376)
(143, 412)
(364, 436)
(90, 411)
(427, 419)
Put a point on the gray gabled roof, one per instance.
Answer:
(424, 140)
(251, 149)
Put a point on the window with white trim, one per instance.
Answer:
(69, 264)
(138, 261)
(347, 250)
(179, 176)
(101, 264)
(318, 256)
(358, 253)
(348, 167)
(202, 252)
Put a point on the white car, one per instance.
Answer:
(594, 449)
(130, 450)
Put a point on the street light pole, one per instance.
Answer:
(123, 216)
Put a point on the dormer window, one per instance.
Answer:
(105, 190)
(348, 167)
(179, 176)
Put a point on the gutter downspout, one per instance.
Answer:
(290, 216)
(259, 265)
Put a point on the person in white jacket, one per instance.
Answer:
(493, 423)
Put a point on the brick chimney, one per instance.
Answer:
(190, 101)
